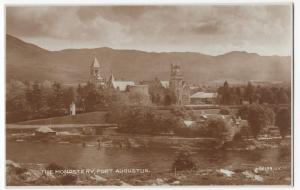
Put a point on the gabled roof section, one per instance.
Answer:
(111, 78)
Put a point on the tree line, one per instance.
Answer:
(32, 100)
(228, 95)
(26, 100)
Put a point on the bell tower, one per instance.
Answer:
(95, 75)
(176, 82)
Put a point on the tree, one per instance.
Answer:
(157, 99)
(226, 93)
(34, 97)
(243, 112)
(16, 96)
(219, 129)
(283, 121)
(55, 99)
(239, 95)
(138, 98)
(257, 118)
(234, 97)
(180, 111)
(249, 91)
(141, 120)
(17, 107)
(68, 97)
(167, 100)
(169, 97)
(270, 115)
(267, 96)
(91, 100)
(80, 97)
(282, 96)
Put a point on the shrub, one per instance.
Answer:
(187, 131)
(54, 166)
(184, 161)
(217, 127)
(283, 121)
(68, 180)
(180, 111)
(237, 137)
(21, 170)
(224, 111)
(243, 112)
(143, 120)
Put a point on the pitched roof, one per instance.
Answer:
(204, 95)
(122, 85)
(95, 63)
(111, 78)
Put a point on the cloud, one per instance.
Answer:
(203, 28)
(208, 28)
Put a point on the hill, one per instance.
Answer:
(25, 61)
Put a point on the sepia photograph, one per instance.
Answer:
(149, 95)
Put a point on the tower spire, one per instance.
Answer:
(95, 75)
(95, 63)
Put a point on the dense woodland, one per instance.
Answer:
(253, 94)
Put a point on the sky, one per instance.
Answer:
(210, 29)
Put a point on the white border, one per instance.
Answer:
(165, 2)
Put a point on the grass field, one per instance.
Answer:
(84, 118)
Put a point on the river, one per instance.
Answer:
(156, 160)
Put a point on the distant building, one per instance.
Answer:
(159, 90)
(95, 74)
(204, 98)
(178, 86)
(118, 84)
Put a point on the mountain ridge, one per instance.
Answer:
(27, 61)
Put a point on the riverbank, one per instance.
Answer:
(145, 141)
(20, 175)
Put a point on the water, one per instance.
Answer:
(74, 155)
